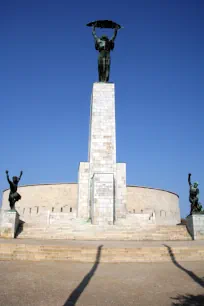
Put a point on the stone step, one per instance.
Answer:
(97, 235)
(110, 254)
(110, 227)
(104, 233)
(91, 232)
(106, 237)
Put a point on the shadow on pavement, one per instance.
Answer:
(74, 296)
(196, 279)
(188, 300)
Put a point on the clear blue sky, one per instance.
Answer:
(48, 65)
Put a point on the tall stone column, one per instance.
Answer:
(105, 199)
(102, 153)
(102, 136)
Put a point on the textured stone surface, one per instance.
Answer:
(41, 198)
(109, 204)
(120, 191)
(81, 230)
(83, 208)
(115, 252)
(195, 224)
(164, 204)
(45, 197)
(9, 224)
(102, 153)
(60, 218)
(137, 219)
(102, 137)
(102, 198)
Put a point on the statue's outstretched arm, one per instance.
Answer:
(20, 175)
(94, 33)
(114, 35)
(189, 179)
(7, 175)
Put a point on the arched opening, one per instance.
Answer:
(61, 209)
(70, 209)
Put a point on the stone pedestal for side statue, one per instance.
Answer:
(9, 223)
(195, 225)
(102, 181)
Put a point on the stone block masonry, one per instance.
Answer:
(102, 202)
(102, 139)
(83, 191)
(120, 192)
(102, 182)
(195, 225)
(9, 223)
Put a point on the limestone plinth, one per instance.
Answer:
(9, 223)
(102, 182)
(102, 202)
(195, 225)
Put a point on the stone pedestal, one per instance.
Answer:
(102, 202)
(195, 225)
(9, 223)
(102, 182)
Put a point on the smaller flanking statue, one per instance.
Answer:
(196, 207)
(14, 196)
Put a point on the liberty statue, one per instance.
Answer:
(104, 45)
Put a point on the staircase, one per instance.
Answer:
(82, 230)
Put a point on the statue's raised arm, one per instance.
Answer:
(114, 35)
(189, 179)
(7, 175)
(94, 33)
(20, 175)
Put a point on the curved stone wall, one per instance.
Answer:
(40, 198)
(165, 204)
(56, 198)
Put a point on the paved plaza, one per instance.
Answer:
(25, 283)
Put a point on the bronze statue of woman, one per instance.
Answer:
(104, 45)
(194, 196)
(14, 196)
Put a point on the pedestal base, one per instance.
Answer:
(102, 208)
(9, 223)
(195, 225)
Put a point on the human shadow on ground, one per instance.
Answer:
(188, 300)
(198, 280)
(74, 296)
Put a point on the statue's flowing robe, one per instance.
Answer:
(104, 47)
